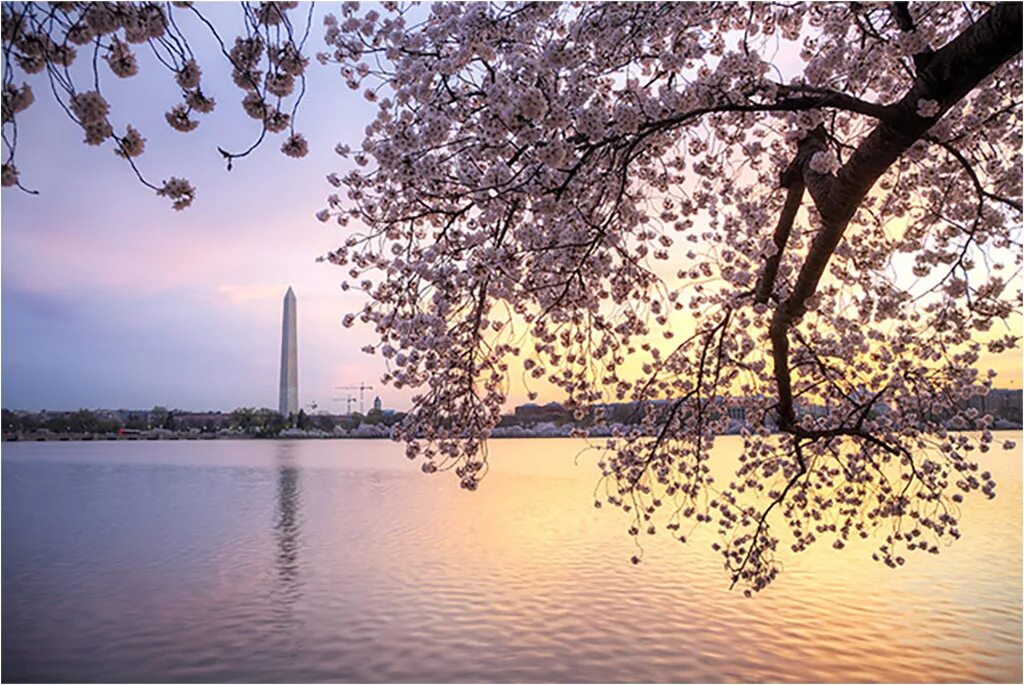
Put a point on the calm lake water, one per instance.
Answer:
(339, 560)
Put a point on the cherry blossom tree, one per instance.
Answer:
(812, 211)
(836, 187)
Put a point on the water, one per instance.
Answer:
(339, 561)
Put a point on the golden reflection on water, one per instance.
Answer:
(531, 539)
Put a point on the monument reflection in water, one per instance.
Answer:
(339, 561)
(287, 520)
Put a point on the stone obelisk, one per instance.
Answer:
(288, 402)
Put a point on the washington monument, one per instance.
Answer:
(288, 402)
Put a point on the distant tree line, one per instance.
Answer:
(260, 422)
(81, 421)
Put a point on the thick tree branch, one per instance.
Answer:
(951, 73)
(794, 196)
(954, 71)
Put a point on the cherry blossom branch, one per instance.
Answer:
(38, 39)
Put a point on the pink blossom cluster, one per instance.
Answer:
(179, 190)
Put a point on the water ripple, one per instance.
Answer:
(338, 561)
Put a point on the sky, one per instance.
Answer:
(112, 299)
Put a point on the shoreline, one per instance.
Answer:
(197, 437)
(98, 437)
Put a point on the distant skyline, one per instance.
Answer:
(111, 299)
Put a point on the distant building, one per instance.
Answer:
(1002, 404)
(816, 411)
(376, 403)
(532, 413)
(738, 414)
